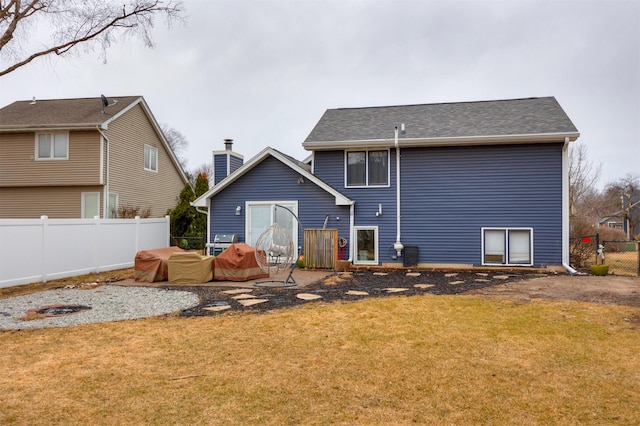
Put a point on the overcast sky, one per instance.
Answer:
(263, 72)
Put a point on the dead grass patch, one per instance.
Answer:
(393, 360)
(82, 282)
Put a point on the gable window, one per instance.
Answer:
(367, 168)
(52, 146)
(150, 158)
(507, 246)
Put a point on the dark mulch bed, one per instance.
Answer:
(335, 287)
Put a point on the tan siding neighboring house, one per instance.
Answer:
(18, 167)
(60, 187)
(60, 202)
(135, 186)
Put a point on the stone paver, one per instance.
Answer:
(237, 291)
(456, 282)
(251, 302)
(452, 274)
(357, 293)
(308, 296)
(423, 286)
(219, 308)
(395, 289)
(380, 274)
(413, 274)
(244, 296)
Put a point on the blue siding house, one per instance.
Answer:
(446, 185)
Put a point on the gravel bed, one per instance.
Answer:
(107, 302)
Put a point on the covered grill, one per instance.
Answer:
(221, 242)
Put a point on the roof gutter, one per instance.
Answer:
(42, 127)
(444, 141)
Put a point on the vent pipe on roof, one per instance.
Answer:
(228, 143)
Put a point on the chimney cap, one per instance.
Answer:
(227, 144)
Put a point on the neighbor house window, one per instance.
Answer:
(112, 210)
(366, 245)
(150, 158)
(52, 146)
(367, 168)
(90, 205)
(507, 246)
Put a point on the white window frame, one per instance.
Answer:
(83, 204)
(366, 168)
(507, 260)
(148, 149)
(52, 149)
(112, 208)
(376, 251)
(292, 205)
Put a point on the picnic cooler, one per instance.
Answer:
(190, 268)
(237, 263)
(151, 265)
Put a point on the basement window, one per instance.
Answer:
(507, 246)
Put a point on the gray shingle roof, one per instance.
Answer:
(532, 116)
(60, 113)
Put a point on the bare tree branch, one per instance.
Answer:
(78, 22)
(177, 141)
(583, 176)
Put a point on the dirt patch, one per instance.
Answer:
(361, 284)
(610, 289)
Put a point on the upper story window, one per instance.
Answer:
(52, 146)
(150, 158)
(367, 168)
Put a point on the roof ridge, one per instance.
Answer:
(79, 99)
(448, 103)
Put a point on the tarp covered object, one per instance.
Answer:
(237, 263)
(152, 265)
(190, 268)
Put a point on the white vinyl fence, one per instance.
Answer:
(38, 250)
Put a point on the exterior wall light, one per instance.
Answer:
(238, 210)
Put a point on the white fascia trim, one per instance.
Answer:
(201, 201)
(445, 141)
(224, 151)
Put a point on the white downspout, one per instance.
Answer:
(105, 204)
(208, 242)
(565, 208)
(352, 223)
(397, 246)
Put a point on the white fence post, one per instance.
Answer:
(43, 257)
(168, 229)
